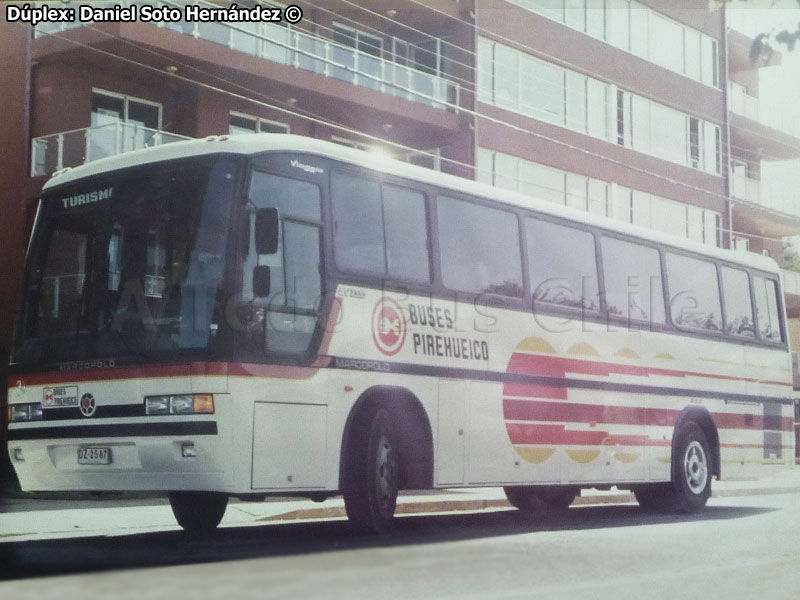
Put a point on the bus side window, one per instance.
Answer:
(480, 248)
(379, 229)
(563, 266)
(632, 275)
(768, 318)
(694, 290)
(358, 235)
(738, 308)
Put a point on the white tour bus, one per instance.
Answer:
(275, 315)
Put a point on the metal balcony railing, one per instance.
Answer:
(750, 107)
(302, 50)
(49, 153)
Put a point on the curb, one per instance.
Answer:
(443, 506)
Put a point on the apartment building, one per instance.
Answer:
(632, 109)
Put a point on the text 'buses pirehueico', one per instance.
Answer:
(275, 315)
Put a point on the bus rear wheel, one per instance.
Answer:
(198, 513)
(531, 499)
(690, 487)
(371, 481)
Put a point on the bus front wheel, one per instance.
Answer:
(198, 513)
(371, 483)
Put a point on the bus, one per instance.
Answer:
(273, 315)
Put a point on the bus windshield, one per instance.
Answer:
(127, 264)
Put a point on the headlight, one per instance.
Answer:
(185, 404)
(31, 411)
(156, 405)
(181, 405)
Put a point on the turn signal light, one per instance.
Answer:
(203, 403)
(184, 404)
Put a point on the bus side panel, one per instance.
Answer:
(548, 399)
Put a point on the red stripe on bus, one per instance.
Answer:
(568, 412)
(538, 364)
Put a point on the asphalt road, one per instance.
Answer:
(737, 548)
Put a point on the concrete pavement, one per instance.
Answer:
(30, 519)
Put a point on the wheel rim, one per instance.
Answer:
(695, 467)
(386, 477)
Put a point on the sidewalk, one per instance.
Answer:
(26, 519)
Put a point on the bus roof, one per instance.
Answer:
(249, 144)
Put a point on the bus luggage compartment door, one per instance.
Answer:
(289, 445)
(451, 431)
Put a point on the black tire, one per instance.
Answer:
(198, 513)
(690, 487)
(523, 498)
(654, 497)
(557, 498)
(691, 469)
(537, 499)
(371, 476)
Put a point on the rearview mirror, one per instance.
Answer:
(267, 230)
(261, 281)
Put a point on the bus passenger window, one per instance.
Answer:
(738, 308)
(379, 229)
(632, 275)
(563, 268)
(480, 248)
(406, 227)
(694, 291)
(769, 325)
(358, 236)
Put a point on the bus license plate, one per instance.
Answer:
(94, 456)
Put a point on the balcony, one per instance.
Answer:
(748, 106)
(744, 188)
(780, 198)
(51, 153)
(791, 282)
(289, 46)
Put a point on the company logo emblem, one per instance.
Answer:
(388, 326)
(87, 405)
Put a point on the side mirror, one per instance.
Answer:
(261, 281)
(267, 230)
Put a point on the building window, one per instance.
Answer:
(635, 28)
(599, 197)
(430, 159)
(355, 38)
(351, 143)
(742, 244)
(240, 123)
(121, 123)
(527, 85)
